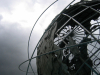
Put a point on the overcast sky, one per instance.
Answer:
(16, 20)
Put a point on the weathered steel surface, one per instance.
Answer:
(47, 64)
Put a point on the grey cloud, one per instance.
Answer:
(13, 48)
(5, 5)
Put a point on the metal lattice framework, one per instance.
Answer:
(71, 44)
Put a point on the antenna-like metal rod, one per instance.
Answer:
(86, 0)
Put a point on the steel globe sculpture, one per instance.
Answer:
(71, 43)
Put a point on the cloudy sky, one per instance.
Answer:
(16, 20)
